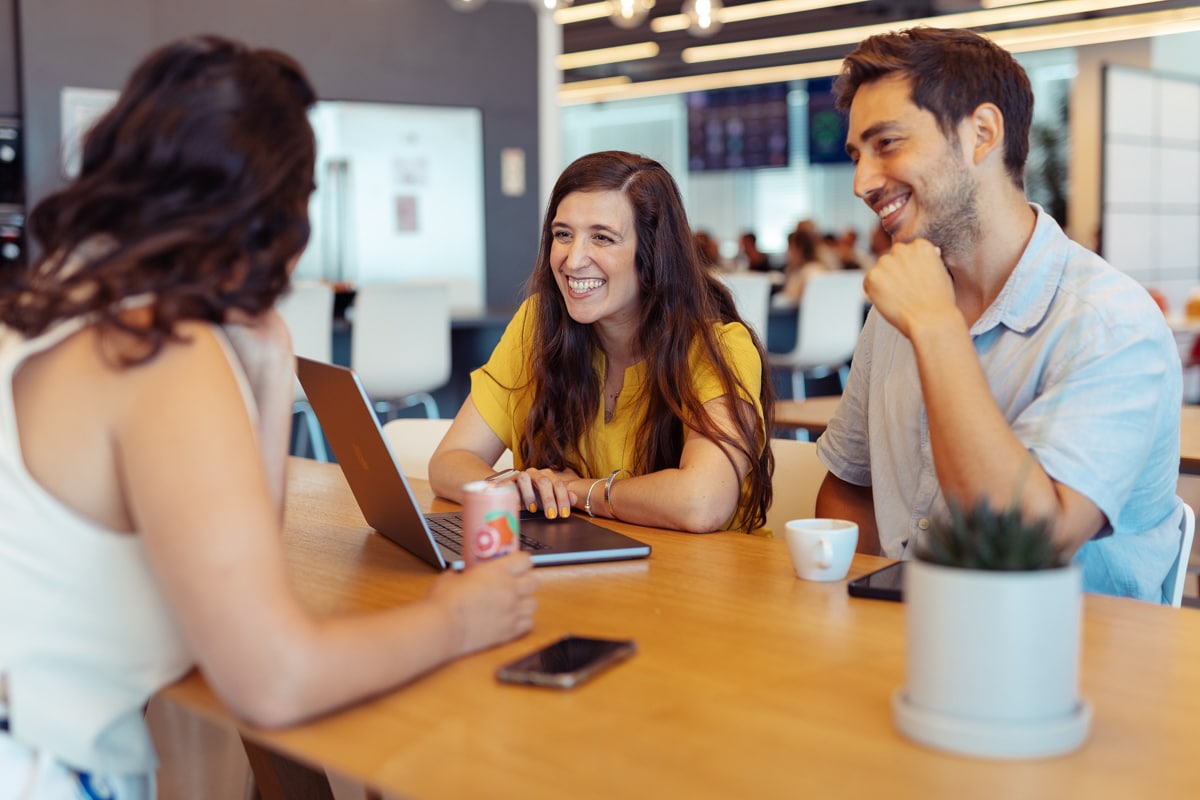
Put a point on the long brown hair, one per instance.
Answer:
(681, 304)
(192, 191)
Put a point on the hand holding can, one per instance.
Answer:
(491, 520)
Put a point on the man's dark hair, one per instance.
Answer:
(951, 73)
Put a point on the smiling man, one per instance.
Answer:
(1001, 361)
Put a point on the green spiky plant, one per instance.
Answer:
(987, 539)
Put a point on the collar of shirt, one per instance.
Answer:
(1025, 298)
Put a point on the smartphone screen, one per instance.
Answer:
(882, 584)
(567, 662)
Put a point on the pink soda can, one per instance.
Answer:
(491, 520)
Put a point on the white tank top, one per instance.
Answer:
(86, 636)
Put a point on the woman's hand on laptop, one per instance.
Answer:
(489, 602)
(547, 489)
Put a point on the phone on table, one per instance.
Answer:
(568, 662)
(882, 584)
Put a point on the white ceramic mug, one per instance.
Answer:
(821, 549)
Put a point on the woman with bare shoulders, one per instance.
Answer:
(147, 389)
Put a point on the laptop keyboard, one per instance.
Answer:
(447, 531)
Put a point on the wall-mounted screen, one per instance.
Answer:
(741, 128)
(827, 127)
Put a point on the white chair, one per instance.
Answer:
(413, 440)
(752, 296)
(798, 477)
(400, 346)
(830, 317)
(308, 311)
(1173, 585)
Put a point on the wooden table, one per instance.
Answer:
(748, 683)
(813, 416)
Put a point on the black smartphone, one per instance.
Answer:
(568, 662)
(882, 584)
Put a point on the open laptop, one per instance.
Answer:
(387, 501)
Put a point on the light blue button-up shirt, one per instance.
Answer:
(1085, 370)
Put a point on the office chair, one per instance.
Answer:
(798, 477)
(1173, 584)
(829, 319)
(308, 311)
(752, 296)
(400, 345)
(413, 440)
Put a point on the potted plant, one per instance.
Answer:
(993, 613)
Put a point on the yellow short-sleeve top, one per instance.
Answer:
(503, 392)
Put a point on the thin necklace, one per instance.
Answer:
(611, 409)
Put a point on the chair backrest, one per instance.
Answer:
(307, 309)
(798, 477)
(831, 317)
(400, 344)
(413, 440)
(1173, 585)
(752, 296)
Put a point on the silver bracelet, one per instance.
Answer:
(587, 503)
(608, 491)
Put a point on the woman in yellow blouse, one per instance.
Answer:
(626, 385)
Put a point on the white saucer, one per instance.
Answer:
(1041, 739)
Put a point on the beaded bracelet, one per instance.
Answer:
(608, 491)
(587, 503)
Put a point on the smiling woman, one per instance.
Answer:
(627, 358)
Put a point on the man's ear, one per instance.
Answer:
(983, 132)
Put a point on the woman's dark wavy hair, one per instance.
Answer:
(681, 303)
(192, 189)
(952, 72)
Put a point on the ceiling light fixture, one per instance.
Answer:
(1039, 37)
(1098, 31)
(629, 13)
(704, 16)
(585, 92)
(550, 6)
(606, 55)
(466, 5)
(844, 36)
(748, 11)
(582, 13)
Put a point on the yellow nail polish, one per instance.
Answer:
(566, 512)
(551, 513)
(532, 507)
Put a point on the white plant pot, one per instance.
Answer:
(993, 661)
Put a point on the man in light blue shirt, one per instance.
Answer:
(1001, 361)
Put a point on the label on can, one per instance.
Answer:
(491, 520)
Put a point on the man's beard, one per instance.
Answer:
(953, 213)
